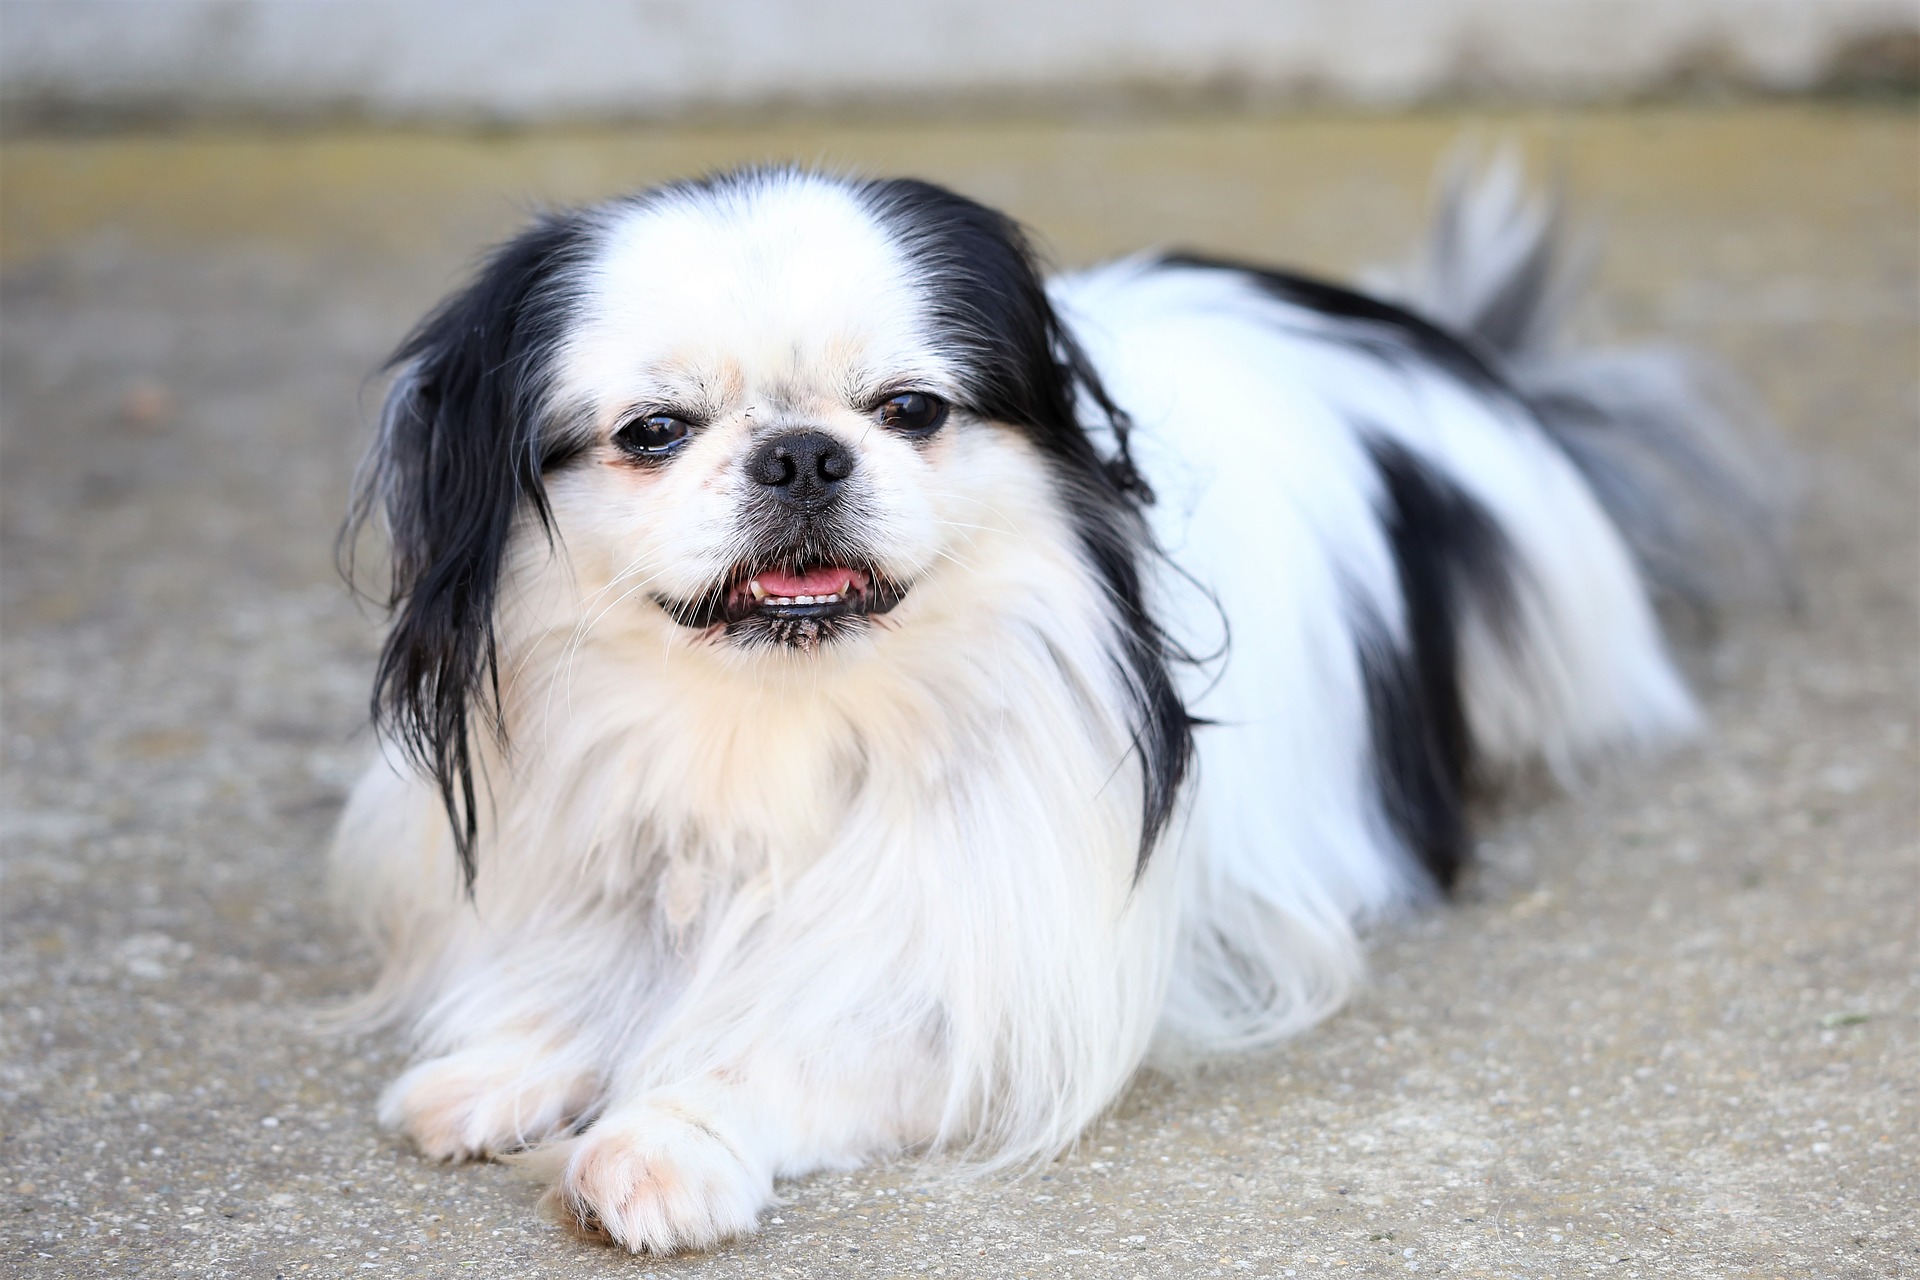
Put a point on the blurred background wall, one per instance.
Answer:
(513, 61)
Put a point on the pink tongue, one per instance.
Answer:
(814, 582)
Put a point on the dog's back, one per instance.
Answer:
(1410, 547)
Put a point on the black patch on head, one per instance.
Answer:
(1025, 370)
(461, 452)
(1452, 561)
(1380, 327)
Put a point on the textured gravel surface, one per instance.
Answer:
(1669, 1029)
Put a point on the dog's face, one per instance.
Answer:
(778, 439)
(761, 415)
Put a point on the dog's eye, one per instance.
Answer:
(913, 413)
(651, 436)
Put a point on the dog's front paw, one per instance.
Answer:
(483, 1102)
(658, 1178)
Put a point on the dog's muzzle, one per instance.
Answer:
(798, 605)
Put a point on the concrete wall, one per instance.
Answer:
(524, 60)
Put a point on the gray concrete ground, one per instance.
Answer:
(1669, 1029)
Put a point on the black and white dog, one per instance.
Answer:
(849, 694)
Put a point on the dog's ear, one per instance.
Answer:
(458, 461)
(989, 299)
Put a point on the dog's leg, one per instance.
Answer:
(776, 1070)
(516, 1035)
(507, 1090)
(833, 1045)
(689, 1164)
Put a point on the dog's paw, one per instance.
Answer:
(482, 1102)
(657, 1178)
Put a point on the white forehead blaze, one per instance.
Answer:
(779, 285)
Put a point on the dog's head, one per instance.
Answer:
(758, 413)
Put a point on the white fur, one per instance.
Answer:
(755, 913)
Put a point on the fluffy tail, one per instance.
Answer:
(1681, 457)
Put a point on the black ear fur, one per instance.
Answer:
(461, 451)
(986, 295)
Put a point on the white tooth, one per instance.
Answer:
(759, 592)
(832, 599)
(803, 599)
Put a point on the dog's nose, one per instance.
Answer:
(803, 468)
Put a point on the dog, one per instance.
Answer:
(849, 694)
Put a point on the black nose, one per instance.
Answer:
(803, 468)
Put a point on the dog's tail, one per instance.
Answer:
(1683, 459)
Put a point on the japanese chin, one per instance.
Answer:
(850, 694)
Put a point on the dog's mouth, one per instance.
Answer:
(797, 605)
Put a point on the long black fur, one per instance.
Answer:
(1381, 327)
(460, 458)
(1452, 561)
(1025, 370)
